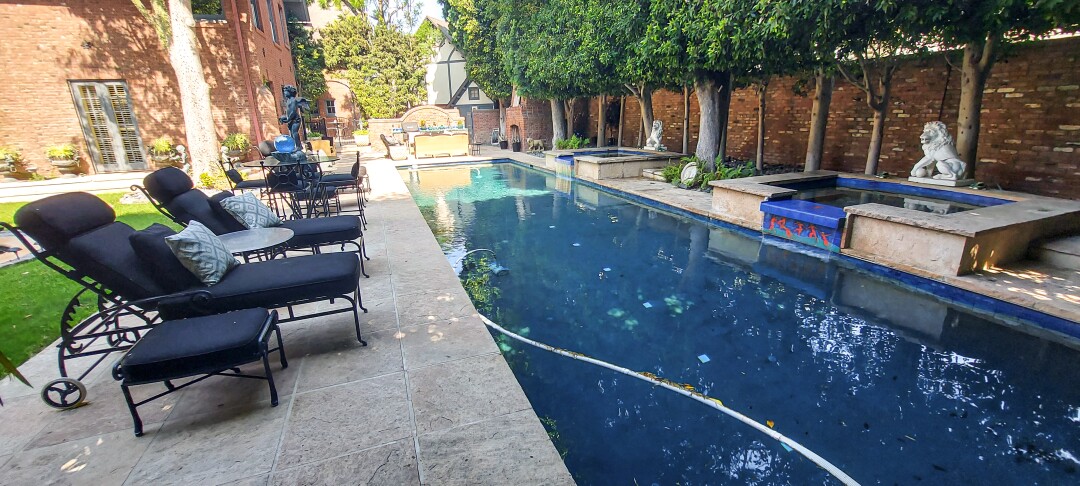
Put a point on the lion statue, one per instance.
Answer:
(939, 152)
(653, 143)
(536, 145)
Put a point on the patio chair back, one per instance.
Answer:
(81, 231)
(172, 190)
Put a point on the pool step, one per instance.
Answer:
(654, 174)
(1060, 252)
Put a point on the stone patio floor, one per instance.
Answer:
(428, 401)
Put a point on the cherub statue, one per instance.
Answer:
(939, 151)
(653, 143)
(292, 116)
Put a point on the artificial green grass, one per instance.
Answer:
(34, 296)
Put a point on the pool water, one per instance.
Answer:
(845, 196)
(603, 154)
(890, 384)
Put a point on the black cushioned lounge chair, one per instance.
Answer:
(173, 193)
(80, 238)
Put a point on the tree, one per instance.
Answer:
(174, 24)
(399, 14)
(474, 31)
(875, 38)
(984, 30)
(698, 42)
(309, 58)
(390, 78)
(346, 42)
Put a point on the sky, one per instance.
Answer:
(431, 8)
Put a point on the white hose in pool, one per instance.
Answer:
(688, 391)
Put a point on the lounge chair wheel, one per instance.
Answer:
(64, 393)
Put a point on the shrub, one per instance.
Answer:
(162, 146)
(65, 151)
(11, 154)
(236, 141)
(214, 179)
(671, 172)
(361, 131)
(574, 142)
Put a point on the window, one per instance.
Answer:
(331, 110)
(474, 93)
(282, 23)
(255, 14)
(273, 21)
(207, 9)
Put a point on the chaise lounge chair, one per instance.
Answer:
(172, 192)
(80, 238)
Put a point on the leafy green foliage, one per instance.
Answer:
(473, 29)
(671, 172)
(64, 151)
(724, 172)
(236, 141)
(162, 146)
(574, 142)
(346, 42)
(309, 58)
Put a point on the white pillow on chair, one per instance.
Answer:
(250, 211)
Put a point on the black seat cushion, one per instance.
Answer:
(251, 184)
(320, 231)
(276, 283)
(149, 244)
(54, 220)
(106, 255)
(187, 347)
(165, 184)
(338, 179)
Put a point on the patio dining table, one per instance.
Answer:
(295, 185)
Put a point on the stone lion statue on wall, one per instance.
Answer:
(653, 143)
(939, 151)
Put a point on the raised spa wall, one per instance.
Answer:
(943, 244)
(592, 167)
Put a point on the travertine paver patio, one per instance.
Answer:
(428, 401)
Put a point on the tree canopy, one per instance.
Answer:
(310, 61)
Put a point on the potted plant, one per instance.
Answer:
(64, 157)
(360, 136)
(516, 143)
(502, 142)
(163, 152)
(237, 143)
(10, 161)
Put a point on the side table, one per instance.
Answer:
(260, 241)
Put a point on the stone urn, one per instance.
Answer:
(67, 167)
(361, 139)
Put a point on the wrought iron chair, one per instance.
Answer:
(119, 268)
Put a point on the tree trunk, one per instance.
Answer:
(622, 115)
(707, 91)
(978, 59)
(685, 119)
(558, 121)
(601, 121)
(815, 145)
(881, 107)
(502, 116)
(569, 117)
(194, 92)
(645, 105)
(724, 110)
(759, 159)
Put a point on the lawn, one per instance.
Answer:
(34, 296)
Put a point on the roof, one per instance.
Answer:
(442, 25)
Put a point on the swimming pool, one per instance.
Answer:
(890, 384)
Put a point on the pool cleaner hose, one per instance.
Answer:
(688, 391)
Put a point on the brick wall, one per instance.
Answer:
(484, 121)
(1029, 141)
(46, 45)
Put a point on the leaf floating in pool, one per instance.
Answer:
(576, 244)
(786, 447)
(647, 305)
(704, 358)
(552, 226)
(770, 423)
(607, 269)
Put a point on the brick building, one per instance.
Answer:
(97, 76)
(1029, 139)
